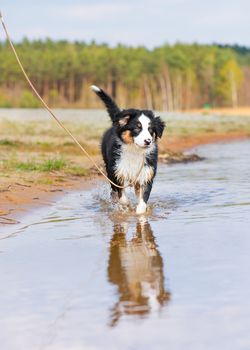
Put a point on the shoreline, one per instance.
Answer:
(17, 198)
(221, 111)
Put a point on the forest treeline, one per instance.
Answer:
(176, 77)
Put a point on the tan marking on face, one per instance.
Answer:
(127, 137)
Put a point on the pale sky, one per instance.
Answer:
(132, 22)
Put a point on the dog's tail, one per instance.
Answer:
(111, 106)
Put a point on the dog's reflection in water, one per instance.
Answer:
(136, 267)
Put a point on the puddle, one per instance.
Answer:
(84, 274)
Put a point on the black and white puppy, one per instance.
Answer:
(132, 138)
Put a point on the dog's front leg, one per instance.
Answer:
(144, 194)
(123, 199)
(120, 193)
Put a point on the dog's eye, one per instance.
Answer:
(150, 130)
(138, 125)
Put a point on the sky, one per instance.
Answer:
(132, 22)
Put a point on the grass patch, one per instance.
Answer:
(6, 142)
(77, 171)
(45, 181)
(44, 145)
(32, 165)
(53, 164)
(46, 166)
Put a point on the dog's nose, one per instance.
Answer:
(147, 142)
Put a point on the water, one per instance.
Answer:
(81, 274)
(98, 116)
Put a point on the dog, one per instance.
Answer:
(131, 140)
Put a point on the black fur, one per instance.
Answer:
(111, 106)
(127, 122)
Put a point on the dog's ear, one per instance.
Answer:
(124, 120)
(159, 126)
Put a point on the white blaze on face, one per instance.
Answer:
(144, 134)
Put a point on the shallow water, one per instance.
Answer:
(82, 274)
(89, 116)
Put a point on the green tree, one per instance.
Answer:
(229, 82)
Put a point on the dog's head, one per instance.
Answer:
(140, 127)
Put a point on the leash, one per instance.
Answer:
(58, 121)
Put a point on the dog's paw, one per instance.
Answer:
(123, 200)
(141, 208)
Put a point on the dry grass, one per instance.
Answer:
(41, 147)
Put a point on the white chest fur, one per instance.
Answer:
(129, 164)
